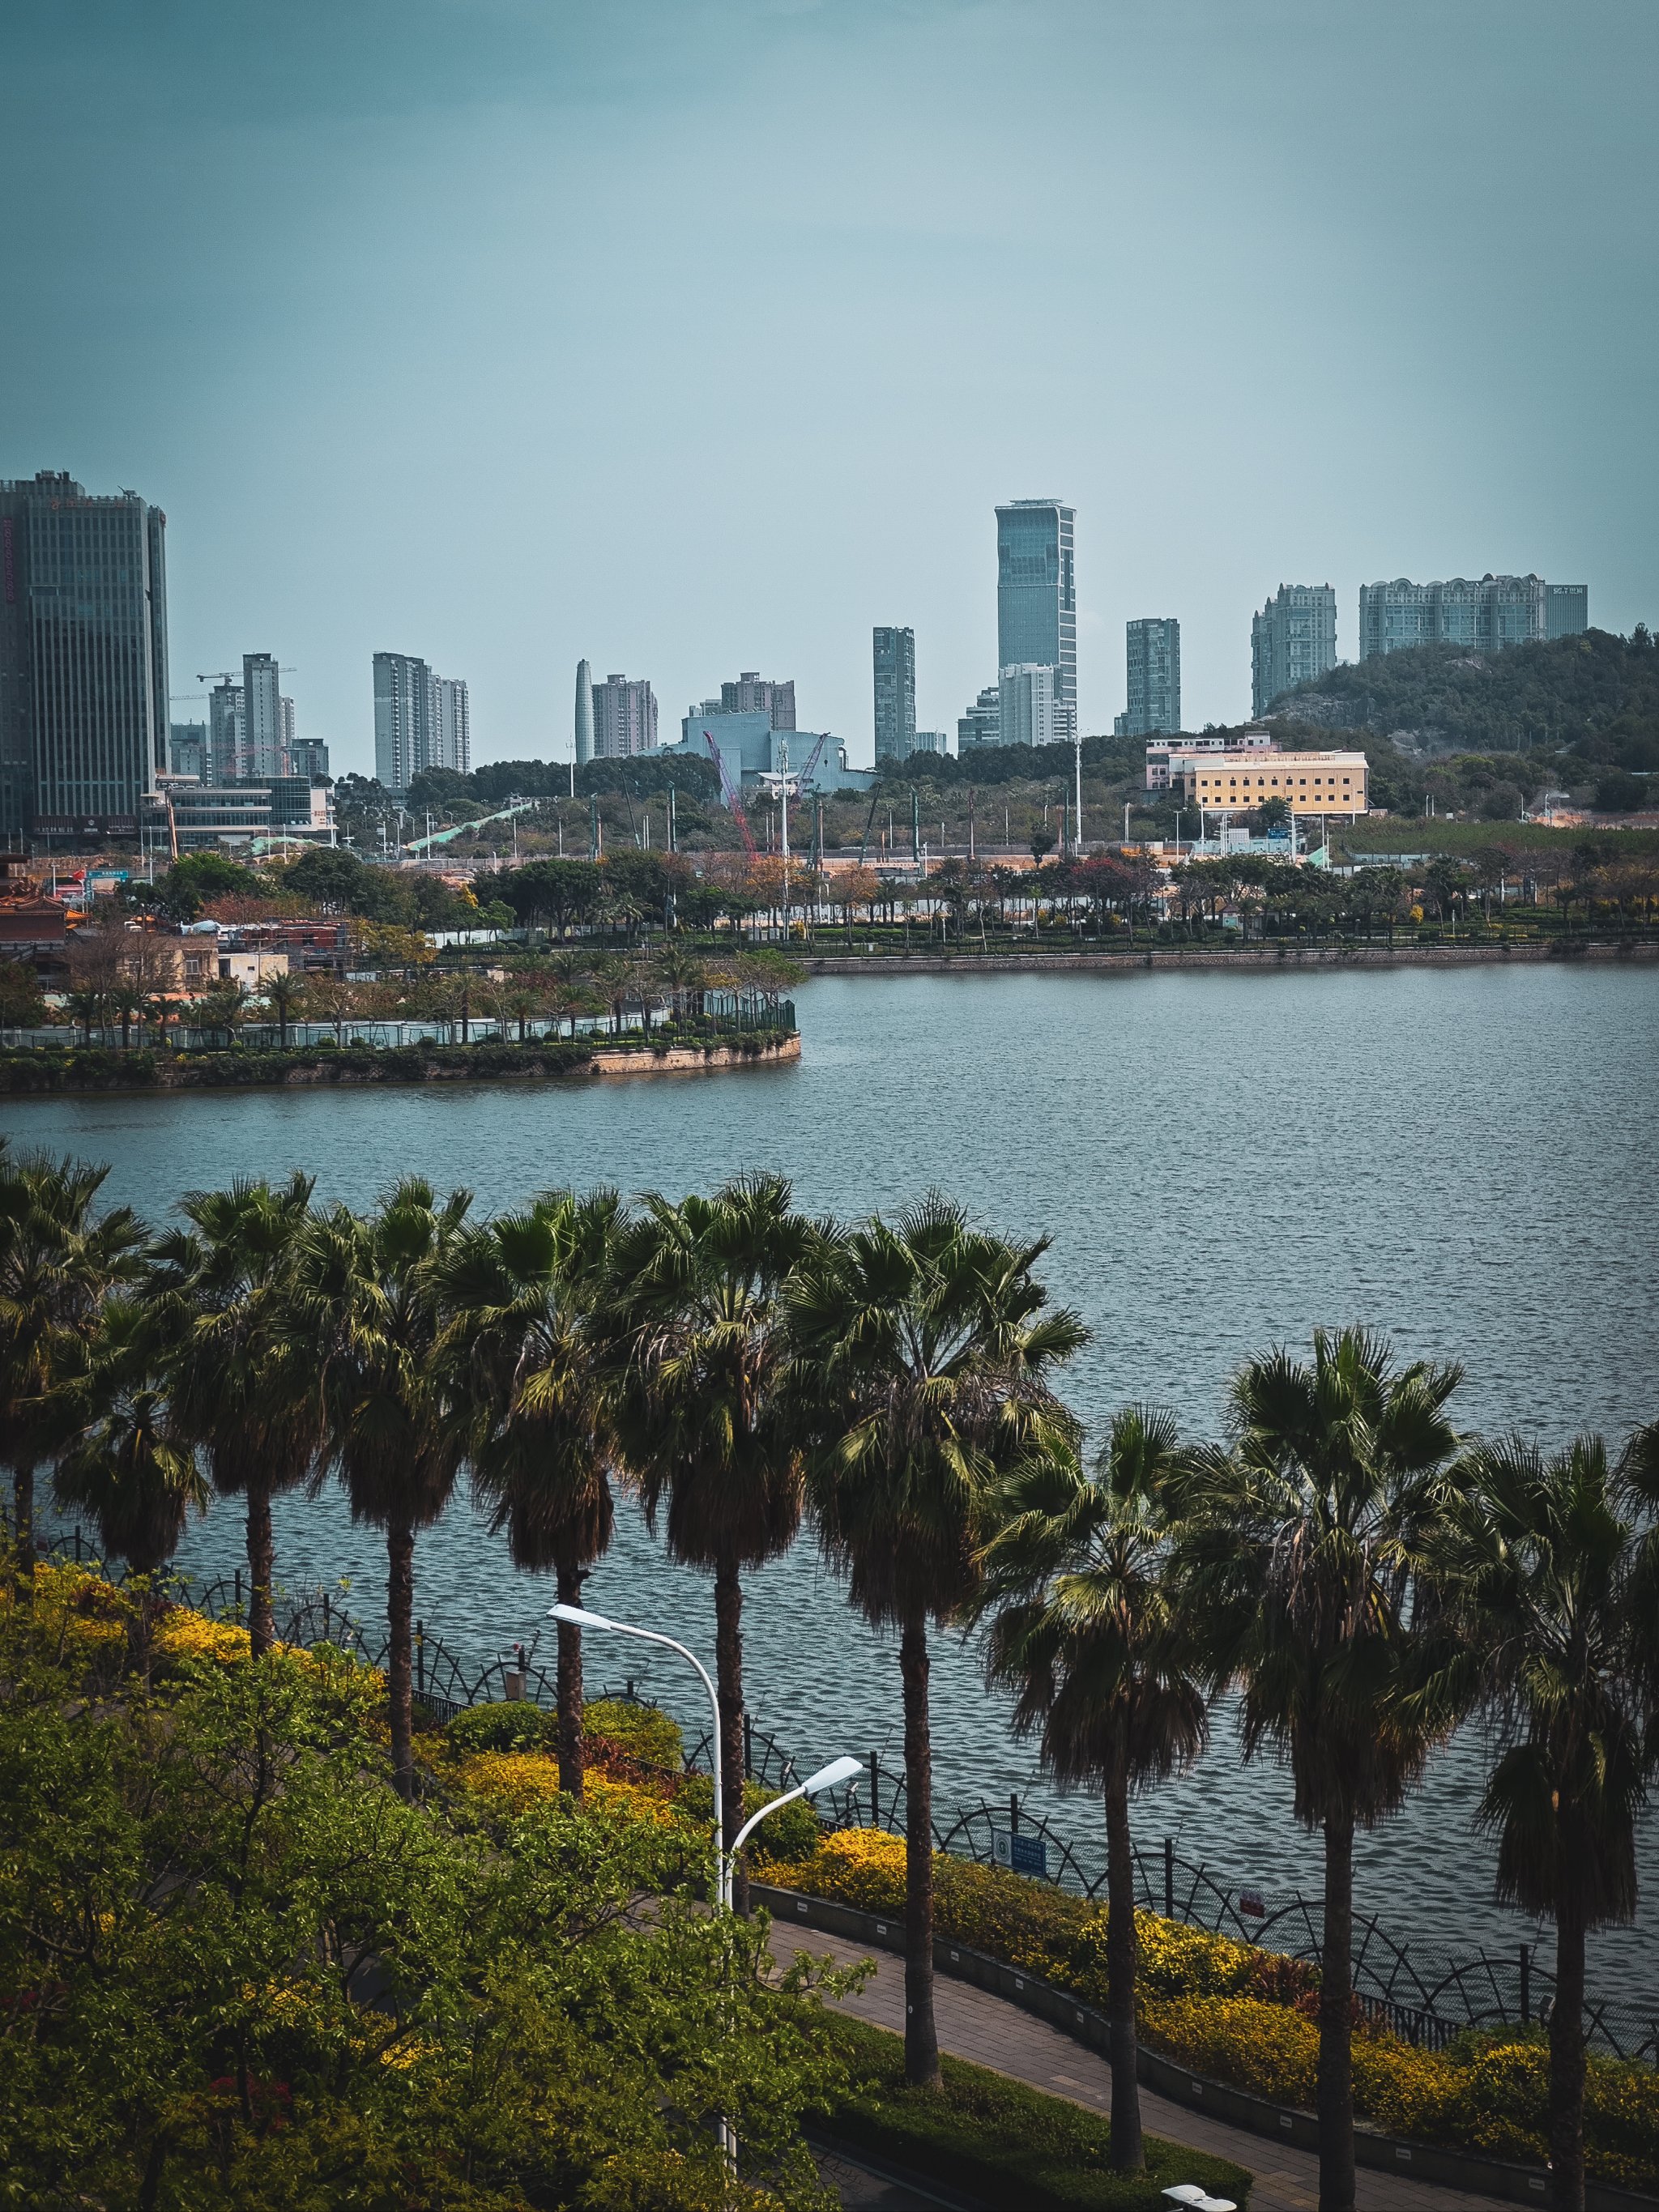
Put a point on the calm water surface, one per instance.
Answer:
(1465, 1160)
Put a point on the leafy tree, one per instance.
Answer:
(1303, 1553)
(337, 882)
(364, 1301)
(285, 995)
(924, 1354)
(1087, 1629)
(21, 1005)
(520, 1295)
(1552, 1570)
(557, 892)
(244, 1387)
(195, 1894)
(696, 1326)
(195, 878)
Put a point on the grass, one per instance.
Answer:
(1402, 833)
(1004, 2144)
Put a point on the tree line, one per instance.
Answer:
(1360, 1570)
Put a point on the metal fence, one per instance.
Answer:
(1420, 1991)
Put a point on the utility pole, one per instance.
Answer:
(970, 825)
(915, 825)
(1076, 746)
(594, 829)
(673, 824)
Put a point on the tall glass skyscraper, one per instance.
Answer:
(1154, 678)
(83, 658)
(1037, 598)
(894, 665)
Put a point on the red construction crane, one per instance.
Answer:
(730, 795)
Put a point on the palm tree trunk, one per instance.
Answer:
(728, 1682)
(1567, 2056)
(399, 1619)
(1126, 2155)
(23, 1487)
(1335, 2076)
(921, 2034)
(571, 1687)
(261, 1557)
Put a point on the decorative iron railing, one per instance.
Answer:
(1420, 1991)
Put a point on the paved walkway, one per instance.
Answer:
(973, 2024)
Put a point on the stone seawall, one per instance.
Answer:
(686, 1059)
(1270, 957)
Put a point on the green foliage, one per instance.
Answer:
(195, 878)
(1009, 2145)
(642, 1732)
(237, 1968)
(1596, 695)
(21, 1001)
(516, 1725)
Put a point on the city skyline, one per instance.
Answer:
(512, 488)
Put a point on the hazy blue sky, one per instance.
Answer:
(703, 336)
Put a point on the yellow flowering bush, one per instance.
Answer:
(182, 1634)
(514, 1780)
(1247, 2016)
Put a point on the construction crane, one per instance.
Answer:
(730, 795)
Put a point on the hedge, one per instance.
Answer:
(1249, 2017)
(1010, 2147)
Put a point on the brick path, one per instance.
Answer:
(973, 2024)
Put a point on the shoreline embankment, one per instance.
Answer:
(1273, 956)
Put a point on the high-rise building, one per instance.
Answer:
(982, 724)
(224, 733)
(451, 744)
(1031, 712)
(403, 719)
(288, 730)
(187, 750)
(308, 756)
(1293, 638)
(1037, 597)
(262, 717)
(420, 720)
(624, 718)
(1486, 616)
(894, 662)
(932, 741)
(584, 714)
(752, 694)
(83, 657)
(1154, 675)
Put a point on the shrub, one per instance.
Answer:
(514, 1726)
(1245, 2016)
(644, 1733)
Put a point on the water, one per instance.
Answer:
(1463, 1159)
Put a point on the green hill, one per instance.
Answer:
(1593, 700)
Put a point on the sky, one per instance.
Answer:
(694, 336)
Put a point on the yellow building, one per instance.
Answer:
(1311, 783)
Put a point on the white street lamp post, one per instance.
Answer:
(838, 1770)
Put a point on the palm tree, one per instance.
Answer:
(245, 1387)
(1084, 1628)
(1552, 1568)
(519, 1294)
(56, 1259)
(363, 1302)
(1303, 1555)
(285, 995)
(923, 1356)
(120, 1457)
(696, 1328)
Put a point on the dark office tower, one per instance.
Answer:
(753, 694)
(83, 658)
(1154, 671)
(1037, 598)
(896, 693)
